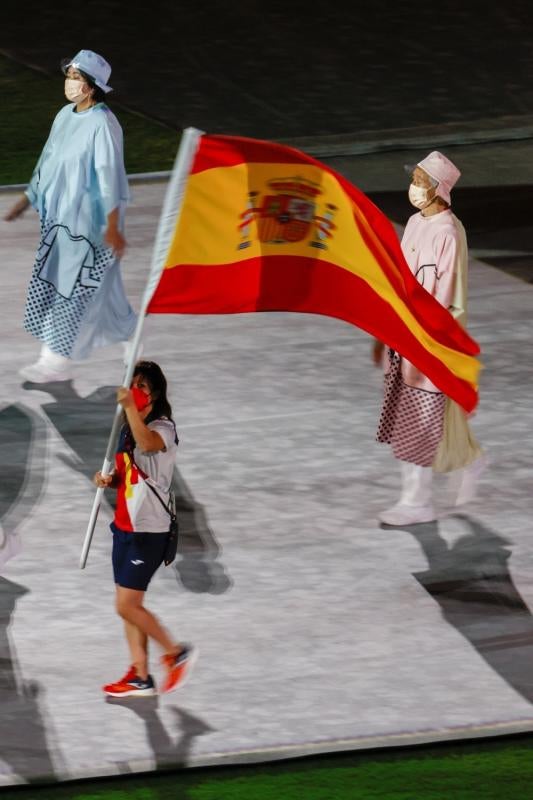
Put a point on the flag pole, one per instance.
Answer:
(168, 221)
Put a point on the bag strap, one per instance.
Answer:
(167, 508)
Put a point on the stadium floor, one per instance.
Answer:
(317, 630)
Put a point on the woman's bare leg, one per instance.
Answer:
(129, 603)
(138, 645)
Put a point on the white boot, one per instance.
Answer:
(469, 480)
(415, 504)
(49, 367)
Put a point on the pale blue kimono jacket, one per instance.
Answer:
(76, 298)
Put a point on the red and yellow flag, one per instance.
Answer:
(264, 227)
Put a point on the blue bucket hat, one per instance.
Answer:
(93, 65)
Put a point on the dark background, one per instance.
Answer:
(288, 69)
(298, 70)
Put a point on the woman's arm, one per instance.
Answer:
(111, 179)
(148, 441)
(17, 208)
(378, 349)
(112, 236)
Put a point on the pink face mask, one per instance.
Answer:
(140, 399)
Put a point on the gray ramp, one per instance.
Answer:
(317, 630)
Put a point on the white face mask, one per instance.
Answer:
(418, 196)
(73, 90)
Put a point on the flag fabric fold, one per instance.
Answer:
(264, 227)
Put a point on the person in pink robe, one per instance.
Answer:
(426, 430)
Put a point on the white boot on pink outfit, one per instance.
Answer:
(415, 504)
(50, 367)
(469, 480)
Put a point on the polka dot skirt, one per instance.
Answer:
(54, 319)
(411, 419)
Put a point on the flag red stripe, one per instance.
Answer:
(274, 283)
(228, 151)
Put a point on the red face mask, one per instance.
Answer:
(140, 399)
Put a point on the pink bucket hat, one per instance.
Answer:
(442, 170)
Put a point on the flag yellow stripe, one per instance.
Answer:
(216, 203)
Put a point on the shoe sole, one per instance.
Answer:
(190, 664)
(399, 524)
(55, 378)
(132, 693)
(406, 524)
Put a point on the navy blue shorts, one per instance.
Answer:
(136, 556)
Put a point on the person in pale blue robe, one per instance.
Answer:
(76, 299)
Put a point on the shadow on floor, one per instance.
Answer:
(22, 454)
(169, 750)
(27, 745)
(471, 582)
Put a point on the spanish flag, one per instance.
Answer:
(264, 227)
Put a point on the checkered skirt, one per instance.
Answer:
(411, 419)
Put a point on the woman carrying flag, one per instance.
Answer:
(144, 464)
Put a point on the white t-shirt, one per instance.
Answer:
(138, 509)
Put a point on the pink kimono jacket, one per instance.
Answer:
(414, 409)
(435, 249)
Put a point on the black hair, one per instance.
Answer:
(153, 374)
(98, 94)
(161, 408)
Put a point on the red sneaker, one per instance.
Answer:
(178, 667)
(130, 674)
(140, 687)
